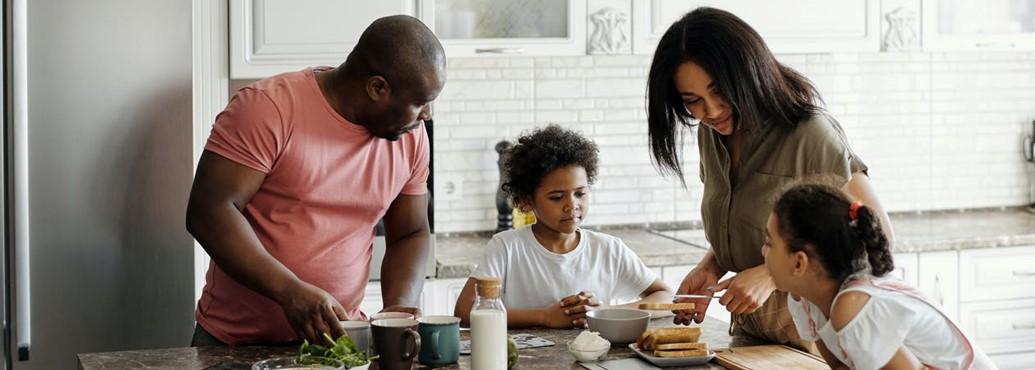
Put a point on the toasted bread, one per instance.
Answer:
(666, 306)
(654, 337)
(675, 346)
(684, 353)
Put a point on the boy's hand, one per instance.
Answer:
(570, 311)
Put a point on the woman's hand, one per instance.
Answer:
(700, 280)
(747, 291)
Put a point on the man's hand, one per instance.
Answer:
(569, 312)
(311, 311)
(400, 308)
(747, 291)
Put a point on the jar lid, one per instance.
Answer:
(488, 287)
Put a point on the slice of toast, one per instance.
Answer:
(666, 306)
(681, 346)
(654, 337)
(682, 353)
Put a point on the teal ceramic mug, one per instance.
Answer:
(441, 339)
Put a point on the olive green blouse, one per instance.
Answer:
(735, 213)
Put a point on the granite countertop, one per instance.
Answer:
(553, 357)
(684, 244)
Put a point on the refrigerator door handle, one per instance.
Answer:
(20, 217)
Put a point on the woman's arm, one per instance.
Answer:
(860, 189)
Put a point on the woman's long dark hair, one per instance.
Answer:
(814, 217)
(759, 89)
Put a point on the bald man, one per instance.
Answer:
(297, 171)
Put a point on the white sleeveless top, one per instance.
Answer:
(896, 315)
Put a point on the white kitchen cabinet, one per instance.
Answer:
(905, 267)
(788, 26)
(673, 275)
(508, 27)
(939, 280)
(978, 25)
(372, 302)
(1005, 329)
(997, 303)
(988, 274)
(268, 37)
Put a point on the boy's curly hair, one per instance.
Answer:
(544, 150)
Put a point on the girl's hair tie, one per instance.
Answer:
(853, 210)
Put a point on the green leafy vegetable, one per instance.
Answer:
(343, 350)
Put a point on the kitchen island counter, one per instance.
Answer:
(552, 357)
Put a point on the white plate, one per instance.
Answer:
(672, 361)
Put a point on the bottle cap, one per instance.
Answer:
(488, 287)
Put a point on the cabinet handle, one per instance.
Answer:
(938, 291)
(1030, 325)
(994, 44)
(499, 50)
(1023, 273)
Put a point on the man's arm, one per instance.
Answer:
(220, 192)
(408, 245)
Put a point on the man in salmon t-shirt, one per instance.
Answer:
(297, 171)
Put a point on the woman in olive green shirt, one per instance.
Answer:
(762, 128)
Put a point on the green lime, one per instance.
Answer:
(512, 353)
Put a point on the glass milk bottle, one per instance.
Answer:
(488, 327)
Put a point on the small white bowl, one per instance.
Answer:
(590, 355)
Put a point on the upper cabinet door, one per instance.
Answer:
(508, 27)
(970, 25)
(788, 26)
(268, 37)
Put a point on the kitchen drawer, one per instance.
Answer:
(994, 274)
(1000, 327)
(373, 301)
(1015, 361)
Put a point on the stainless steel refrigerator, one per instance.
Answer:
(97, 170)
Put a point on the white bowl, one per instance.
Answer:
(618, 325)
(589, 355)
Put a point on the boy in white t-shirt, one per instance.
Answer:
(552, 272)
(830, 254)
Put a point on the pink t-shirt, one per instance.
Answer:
(328, 182)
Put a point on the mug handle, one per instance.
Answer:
(434, 344)
(411, 352)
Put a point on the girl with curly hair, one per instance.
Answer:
(830, 254)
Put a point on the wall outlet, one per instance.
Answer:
(449, 187)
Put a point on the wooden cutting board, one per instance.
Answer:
(768, 357)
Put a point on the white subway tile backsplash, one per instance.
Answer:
(616, 87)
(938, 130)
(571, 88)
(488, 89)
